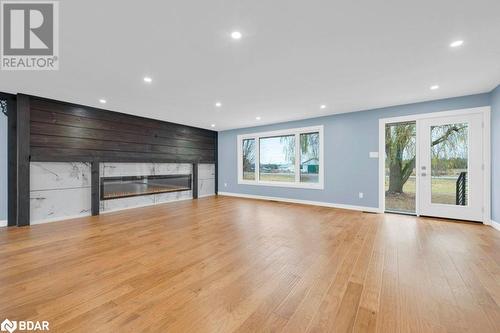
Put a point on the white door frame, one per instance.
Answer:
(485, 111)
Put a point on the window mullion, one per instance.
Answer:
(257, 159)
(297, 157)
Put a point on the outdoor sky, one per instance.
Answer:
(271, 151)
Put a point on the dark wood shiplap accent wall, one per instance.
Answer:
(46, 130)
(67, 132)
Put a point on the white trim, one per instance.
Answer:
(303, 202)
(487, 165)
(485, 111)
(60, 218)
(296, 131)
(459, 112)
(381, 165)
(495, 225)
(283, 184)
(3, 223)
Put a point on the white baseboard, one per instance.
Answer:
(303, 202)
(3, 223)
(495, 225)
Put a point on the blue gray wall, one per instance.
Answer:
(495, 156)
(3, 167)
(348, 139)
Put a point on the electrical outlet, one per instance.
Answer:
(361, 195)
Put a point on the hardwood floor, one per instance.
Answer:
(227, 264)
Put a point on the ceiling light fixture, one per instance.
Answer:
(457, 43)
(102, 101)
(147, 79)
(213, 125)
(434, 87)
(236, 35)
(218, 104)
(257, 118)
(323, 107)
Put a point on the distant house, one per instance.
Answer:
(310, 166)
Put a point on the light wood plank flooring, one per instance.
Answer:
(227, 264)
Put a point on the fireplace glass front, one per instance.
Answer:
(132, 186)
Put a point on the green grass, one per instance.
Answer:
(277, 177)
(443, 192)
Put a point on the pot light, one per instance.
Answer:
(102, 101)
(213, 125)
(323, 106)
(434, 87)
(236, 35)
(457, 43)
(218, 104)
(147, 79)
(257, 118)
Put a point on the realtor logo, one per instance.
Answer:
(8, 325)
(30, 35)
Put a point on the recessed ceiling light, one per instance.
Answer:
(218, 104)
(102, 101)
(257, 118)
(434, 87)
(236, 35)
(323, 106)
(457, 43)
(147, 79)
(213, 125)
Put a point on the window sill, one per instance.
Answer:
(282, 184)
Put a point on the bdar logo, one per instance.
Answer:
(8, 325)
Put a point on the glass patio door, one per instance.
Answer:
(451, 167)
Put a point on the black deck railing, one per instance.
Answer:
(461, 193)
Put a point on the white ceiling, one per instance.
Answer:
(294, 56)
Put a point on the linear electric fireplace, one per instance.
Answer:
(132, 186)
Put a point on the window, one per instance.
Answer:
(309, 157)
(277, 159)
(249, 159)
(291, 158)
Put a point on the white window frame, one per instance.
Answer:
(294, 131)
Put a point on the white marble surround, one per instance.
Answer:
(62, 190)
(206, 180)
(59, 191)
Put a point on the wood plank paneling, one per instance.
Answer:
(68, 132)
(117, 117)
(39, 128)
(51, 154)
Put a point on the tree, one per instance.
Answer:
(400, 151)
(249, 155)
(400, 148)
(309, 147)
